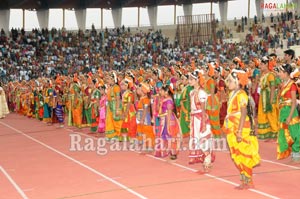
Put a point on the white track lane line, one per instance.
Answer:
(208, 175)
(281, 164)
(220, 179)
(77, 162)
(20, 191)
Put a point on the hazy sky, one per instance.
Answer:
(236, 8)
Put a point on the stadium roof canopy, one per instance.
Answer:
(81, 4)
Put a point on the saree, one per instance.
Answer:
(77, 110)
(113, 121)
(185, 107)
(48, 104)
(213, 108)
(288, 141)
(95, 110)
(169, 131)
(245, 153)
(267, 109)
(102, 114)
(129, 126)
(145, 132)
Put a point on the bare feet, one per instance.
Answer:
(241, 187)
(250, 185)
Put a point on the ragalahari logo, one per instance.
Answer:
(278, 6)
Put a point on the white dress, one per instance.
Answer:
(197, 136)
(3, 104)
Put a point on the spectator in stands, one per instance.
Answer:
(49, 52)
(243, 25)
(272, 17)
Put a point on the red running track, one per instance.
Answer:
(36, 162)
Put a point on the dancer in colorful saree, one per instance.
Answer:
(185, 106)
(102, 108)
(40, 104)
(58, 105)
(48, 103)
(213, 104)
(155, 99)
(128, 128)
(94, 104)
(239, 127)
(267, 108)
(69, 100)
(18, 92)
(30, 101)
(87, 108)
(169, 127)
(145, 132)
(289, 124)
(201, 137)
(77, 106)
(255, 82)
(114, 108)
(221, 92)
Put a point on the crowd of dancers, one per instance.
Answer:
(191, 98)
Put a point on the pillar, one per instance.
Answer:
(4, 20)
(101, 18)
(249, 9)
(139, 15)
(223, 7)
(43, 18)
(23, 19)
(117, 17)
(152, 13)
(187, 9)
(81, 19)
(175, 13)
(259, 10)
(64, 18)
